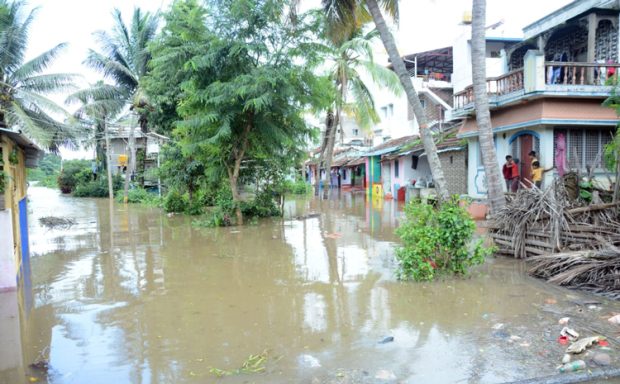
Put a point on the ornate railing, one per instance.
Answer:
(496, 86)
(572, 73)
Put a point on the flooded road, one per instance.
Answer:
(130, 295)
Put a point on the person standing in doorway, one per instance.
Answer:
(511, 174)
(532, 156)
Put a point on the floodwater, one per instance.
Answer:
(130, 295)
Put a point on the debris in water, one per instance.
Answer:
(253, 364)
(566, 358)
(601, 359)
(576, 365)
(564, 320)
(53, 222)
(385, 375)
(309, 361)
(614, 319)
(571, 334)
(583, 344)
(498, 326)
(386, 340)
(551, 301)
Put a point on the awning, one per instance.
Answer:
(32, 151)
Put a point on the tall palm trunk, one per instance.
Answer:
(399, 67)
(329, 122)
(481, 102)
(329, 155)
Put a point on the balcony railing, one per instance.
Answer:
(571, 73)
(571, 77)
(496, 86)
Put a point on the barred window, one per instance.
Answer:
(585, 147)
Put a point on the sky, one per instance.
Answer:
(424, 24)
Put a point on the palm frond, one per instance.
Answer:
(37, 64)
(48, 83)
(383, 76)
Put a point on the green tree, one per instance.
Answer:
(24, 85)
(345, 15)
(481, 101)
(352, 57)
(182, 38)
(248, 90)
(124, 59)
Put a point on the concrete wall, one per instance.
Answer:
(454, 165)
(11, 365)
(8, 266)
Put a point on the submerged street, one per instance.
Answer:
(133, 295)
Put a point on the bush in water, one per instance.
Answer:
(97, 188)
(437, 240)
(73, 173)
(175, 202)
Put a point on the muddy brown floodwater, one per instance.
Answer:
(130, 295)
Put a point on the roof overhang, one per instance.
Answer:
(566, 112)
(32, 151)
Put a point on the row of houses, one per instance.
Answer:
(546, 92)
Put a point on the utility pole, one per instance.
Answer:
(109, 160)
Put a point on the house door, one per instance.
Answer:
(521, 146)
(527, 145)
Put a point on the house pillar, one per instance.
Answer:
(591, 52)
(533, 71)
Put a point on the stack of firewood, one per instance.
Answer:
(568, 241)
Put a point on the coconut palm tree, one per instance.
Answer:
(24, 85)
(352, 57)
(481, 102)
(345, 14)
(99, 104)
(124, 59)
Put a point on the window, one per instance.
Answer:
(356, 131)
(387, 111)
(344, 174)
(451, 160)
(584, 147)
(423, 102)
(414, 162)
(396, 168)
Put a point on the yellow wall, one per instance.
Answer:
(15, 188)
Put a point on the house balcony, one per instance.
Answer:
(539, 78)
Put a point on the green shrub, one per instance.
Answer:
(437, 240)
(175, 202)
(139, 196)
(263, 205)
(73, 173)
(297, 187)
(97, 188)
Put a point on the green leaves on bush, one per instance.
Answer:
(437, 240)
(175, 202)
(97, 188)
(74, 172)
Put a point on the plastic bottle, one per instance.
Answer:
(576, 365)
